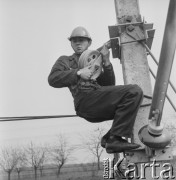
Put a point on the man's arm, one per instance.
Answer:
(107, 78)
(61, 75)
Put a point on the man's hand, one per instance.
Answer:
(105, 55)
(85, 73)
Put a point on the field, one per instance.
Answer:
(69, 172)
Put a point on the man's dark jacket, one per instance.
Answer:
(64, 74)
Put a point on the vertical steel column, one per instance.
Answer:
(136, 71)
(165, 63)
(134, 60)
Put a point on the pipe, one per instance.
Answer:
(165, 63)
(168, 98)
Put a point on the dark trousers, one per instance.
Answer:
(120, 103)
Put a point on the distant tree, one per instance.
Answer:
(41, 169)
(36, 156)
(22, 161)
(8, 159)
(92, 143)
(61, 152)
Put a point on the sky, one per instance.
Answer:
(33, 34)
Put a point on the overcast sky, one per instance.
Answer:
(33, 34)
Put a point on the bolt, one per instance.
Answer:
(130, 28)
(163, 151)
(128, 18)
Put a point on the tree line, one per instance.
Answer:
(35, 156)
(58, 154)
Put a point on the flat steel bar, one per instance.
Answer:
(155, 60)
(168, 98)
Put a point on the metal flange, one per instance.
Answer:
(154, 141)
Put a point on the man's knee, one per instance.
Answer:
(136, 90)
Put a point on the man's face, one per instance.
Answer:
(80, 44)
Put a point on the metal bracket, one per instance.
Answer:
(138, 31)
(115, 46)
(140, 155)
(115, 41)
(149, 40)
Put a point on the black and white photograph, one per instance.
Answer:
(87, 89)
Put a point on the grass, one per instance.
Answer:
(69, 172)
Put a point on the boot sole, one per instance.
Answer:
(111, 151)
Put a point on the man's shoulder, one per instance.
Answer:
(65, 57)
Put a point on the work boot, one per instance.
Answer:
(104, 139)
(116, 144)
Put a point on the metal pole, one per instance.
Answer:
(133, 58)
(168, 98)
(165, 63)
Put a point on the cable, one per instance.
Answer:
(148, 97)
(145, 105)
(22, 118)
(25, 118)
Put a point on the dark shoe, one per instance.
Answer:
(117, 145)
(104, 139)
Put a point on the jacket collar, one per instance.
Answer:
(74, 57)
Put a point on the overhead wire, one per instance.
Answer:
(22, 118)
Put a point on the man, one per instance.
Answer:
(100, 100)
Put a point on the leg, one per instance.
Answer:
(120, 103)
(126, 112)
